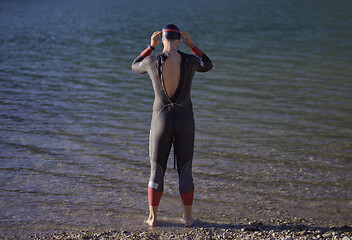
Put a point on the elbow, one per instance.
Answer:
(210, 66)
(133, 67)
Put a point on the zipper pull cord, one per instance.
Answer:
(173, 143)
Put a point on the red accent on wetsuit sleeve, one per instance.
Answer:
(187, 198)
(146, 52)
(197, 51)
(154, 197)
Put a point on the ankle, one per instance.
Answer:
(151, 221)
(187, 211)
(152, 215)
(188, 221)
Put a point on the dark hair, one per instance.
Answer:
(171, 32)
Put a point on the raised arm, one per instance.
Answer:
(141, 63)
(204, 63)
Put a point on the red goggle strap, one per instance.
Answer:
(171, 30)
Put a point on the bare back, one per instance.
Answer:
(171, 73)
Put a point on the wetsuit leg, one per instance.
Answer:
(184, 145)
(160, 142)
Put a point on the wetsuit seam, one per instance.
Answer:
(157, 73)
(166, 105)
(159, 112)
(185, 166)
(162, 80)
(159, 167)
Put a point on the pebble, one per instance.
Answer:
(251, 230)
(327, 235)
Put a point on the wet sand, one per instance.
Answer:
(297, 229)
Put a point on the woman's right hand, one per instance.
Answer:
(155, 38)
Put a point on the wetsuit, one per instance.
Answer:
(172, 121)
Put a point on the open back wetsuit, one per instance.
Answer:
(172, 121)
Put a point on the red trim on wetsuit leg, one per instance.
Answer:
(187, 198)
(197, 51)
(146, 52)
(154, 197)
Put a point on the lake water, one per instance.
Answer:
(273, 117)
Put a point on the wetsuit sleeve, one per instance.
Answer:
(204, 64)
(141, 63)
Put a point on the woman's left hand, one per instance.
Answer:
(187, 39)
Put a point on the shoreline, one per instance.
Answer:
(200, 230)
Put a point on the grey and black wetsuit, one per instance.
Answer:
(172, 121)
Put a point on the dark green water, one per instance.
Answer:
(273, 118)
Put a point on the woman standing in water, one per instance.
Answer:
(171, 72)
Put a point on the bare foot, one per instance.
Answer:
(189, 222)
(187, 215)
(151, 222)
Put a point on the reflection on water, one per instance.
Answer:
(273, 118)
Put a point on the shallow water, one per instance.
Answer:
(273, 118)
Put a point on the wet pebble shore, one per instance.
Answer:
(205, 233)
(252, 230)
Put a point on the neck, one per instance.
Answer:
(169, 47)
